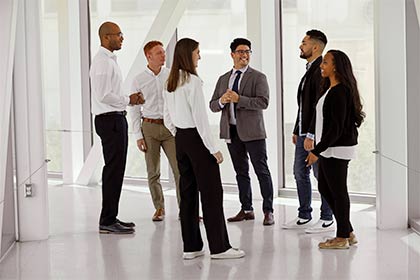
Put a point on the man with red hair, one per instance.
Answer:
(148, 127)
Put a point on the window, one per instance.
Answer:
(349, 27)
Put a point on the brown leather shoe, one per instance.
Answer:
(242, 216)
(159, 215)
(268, 219)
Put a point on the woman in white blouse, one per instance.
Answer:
(198, 157)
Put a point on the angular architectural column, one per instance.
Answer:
(163, 28)
(391, 117)
(8, 18)
(413, 112)
(70, 89)
(31, 167)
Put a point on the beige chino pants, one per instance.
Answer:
(157, 136)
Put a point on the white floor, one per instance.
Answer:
(75, 250)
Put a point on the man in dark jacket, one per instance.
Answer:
(311, 49)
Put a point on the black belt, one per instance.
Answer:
(124, 113)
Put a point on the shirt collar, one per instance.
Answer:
(243, 69)
(309, 64)
(150, 72)
(107, 52)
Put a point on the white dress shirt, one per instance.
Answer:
(186, 108)
(151, 86)
(106, 83)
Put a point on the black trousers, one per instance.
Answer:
(257, 151)
(113, 131)
(332, 185)
(199, 172)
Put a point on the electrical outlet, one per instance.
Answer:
(28, 190)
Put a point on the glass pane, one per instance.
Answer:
(199, 22)
(51, 86)
(135, 18)
(349, 27)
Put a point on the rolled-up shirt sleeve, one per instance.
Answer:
(136, 114)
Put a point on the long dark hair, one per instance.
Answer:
(344, 74)
(182, 61)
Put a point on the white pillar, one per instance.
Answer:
(8, 17)
(253, 29)
(391, 108)
(70, 89)
(29, 124)
(413, 117)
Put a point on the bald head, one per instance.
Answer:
(107, 28)
(110, 36)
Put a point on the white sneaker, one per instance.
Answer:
(232, 253)
(192, 255)
(297, 223)
(321, 226)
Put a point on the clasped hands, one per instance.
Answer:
(136, 98)
(229, 96)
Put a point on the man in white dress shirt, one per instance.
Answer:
(108, 105)
(148, 128)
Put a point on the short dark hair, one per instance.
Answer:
(239, 41)
(317, 35)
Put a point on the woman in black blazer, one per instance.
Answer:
(338, 115)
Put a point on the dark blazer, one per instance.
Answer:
(254, 97)
(339, 120)
(310, 94)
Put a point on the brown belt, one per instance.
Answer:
(155, 121)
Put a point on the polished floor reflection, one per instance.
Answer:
(75, 250)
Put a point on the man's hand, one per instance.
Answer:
(219, 157)
(141, 97)
(225, 98)
(294, 139)
(308, 144)
(136, 98)
(141, 144)
(234, 97)
(311, 159)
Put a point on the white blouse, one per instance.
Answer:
(186, 108)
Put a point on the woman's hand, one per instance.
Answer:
(219, 157)
(311, 159)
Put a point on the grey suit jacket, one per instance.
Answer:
(254, 97)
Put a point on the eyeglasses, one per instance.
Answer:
(243, 51)
(120, 34)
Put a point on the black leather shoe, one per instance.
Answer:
(268, 219)
(126, 224)
(115, 228)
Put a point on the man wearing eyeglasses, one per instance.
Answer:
(241, 95)
(108, 105)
